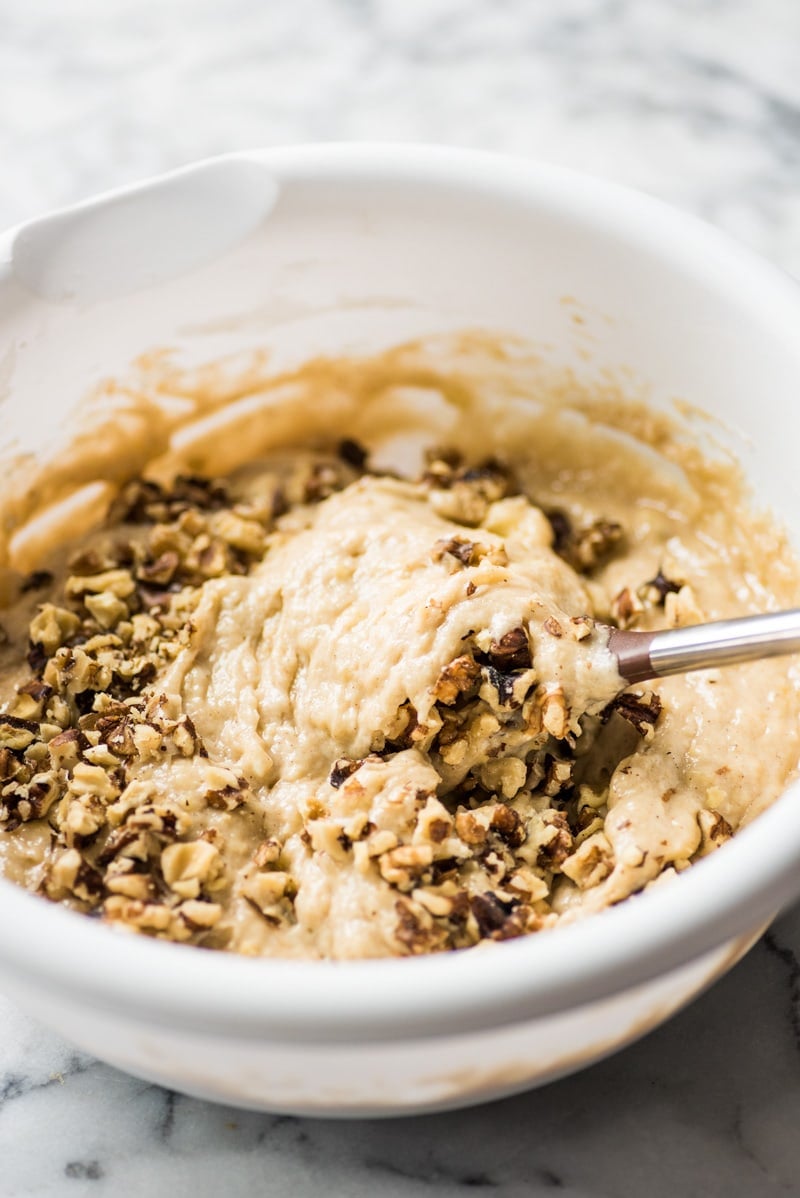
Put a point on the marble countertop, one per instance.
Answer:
(697, 101)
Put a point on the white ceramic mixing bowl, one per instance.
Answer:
(348, 248)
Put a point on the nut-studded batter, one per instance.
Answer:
(319, 710)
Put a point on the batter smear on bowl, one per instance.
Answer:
(317, 709)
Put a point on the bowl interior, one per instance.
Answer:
(354, 250)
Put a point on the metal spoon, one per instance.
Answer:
(645, 655)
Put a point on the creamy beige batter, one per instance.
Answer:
(323, 710)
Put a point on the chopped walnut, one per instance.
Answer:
(464, 494)
(199, 915)
(267, 853)
(512, 651)
(417, 930)
(434, 823)
(558, 776)
(106, 608)
(498, 918)
(625, 608)
(191, 868)
(551, 841)
(555, 714)
(15, 733)
(580, 627)
(93, 780)
(715, 830)
(501, 690)
(473, 826)
(591, 862)
(594, 544)
(584, 548)
(639, 709)
(118, 583)
(468, 553)
(403, 866)
(506, 775)
(381, 841)
(681, 609)
(529, 885)
(272, 893)
(69, 873)
(52, 626)
(656, 590)
(456, 679)
(66, 748)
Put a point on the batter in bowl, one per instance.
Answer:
(318, 708)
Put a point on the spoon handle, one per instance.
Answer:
(644, 655)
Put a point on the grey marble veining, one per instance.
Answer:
(697, 101)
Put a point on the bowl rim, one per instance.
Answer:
(655, 933)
